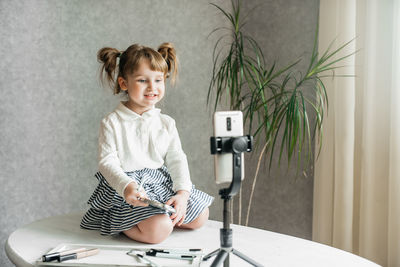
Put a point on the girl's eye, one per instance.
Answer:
(159, 80)
(141, 81)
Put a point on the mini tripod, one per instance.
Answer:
(236, 146)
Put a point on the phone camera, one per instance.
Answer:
(229, 123)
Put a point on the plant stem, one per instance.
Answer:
(254, 182)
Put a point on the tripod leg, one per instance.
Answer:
(245, 258)
(209, 255)
(226, 262)
(222, 254)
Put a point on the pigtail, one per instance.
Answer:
(108, 57)
(167, 51)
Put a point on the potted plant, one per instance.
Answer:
(277, 110)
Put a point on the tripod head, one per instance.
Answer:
(236, 146)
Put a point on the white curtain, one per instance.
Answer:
(357, 175)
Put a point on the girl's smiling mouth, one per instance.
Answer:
(150, 95)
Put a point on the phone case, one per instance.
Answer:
(223, 127)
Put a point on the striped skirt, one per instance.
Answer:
(110, 214)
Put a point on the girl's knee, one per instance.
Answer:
(157, 229)
(199, 221)
(202, 219)
(152, 230)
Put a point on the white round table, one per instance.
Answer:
(28, 243)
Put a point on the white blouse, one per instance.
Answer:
(129, 142)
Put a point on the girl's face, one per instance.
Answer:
(145, 88)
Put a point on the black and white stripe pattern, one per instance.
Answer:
(110, 214)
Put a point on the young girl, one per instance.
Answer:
(140, 153)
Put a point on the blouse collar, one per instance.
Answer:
(127, 114)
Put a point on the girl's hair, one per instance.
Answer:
(164, 60)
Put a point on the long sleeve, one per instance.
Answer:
(109, 162)
(176, 162)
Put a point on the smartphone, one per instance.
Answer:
(226, 124)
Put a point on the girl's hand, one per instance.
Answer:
(132, 195)
(179, 201)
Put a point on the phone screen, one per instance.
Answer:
(227, 124)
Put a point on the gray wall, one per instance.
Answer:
(51, 102)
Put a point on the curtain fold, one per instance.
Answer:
(394, 171)
(357, 175)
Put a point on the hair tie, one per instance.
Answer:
(119, 54)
